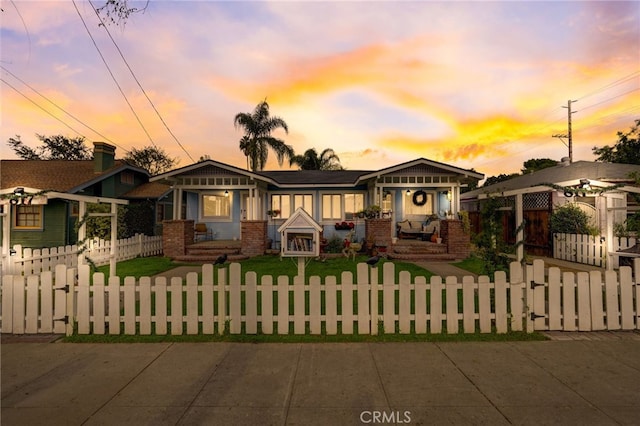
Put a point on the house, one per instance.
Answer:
(594, 186)
(248, 206)
(41, 200)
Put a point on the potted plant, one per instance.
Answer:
(372, 212)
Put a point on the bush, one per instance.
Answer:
(570, 219)
(335, 245)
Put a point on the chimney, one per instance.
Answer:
(104, 156)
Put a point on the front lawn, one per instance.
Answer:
(141, 267)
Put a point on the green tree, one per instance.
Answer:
(310, 160)
(55, 147)
(626, 150)
(258, 126)
(492, 180)
(151, 158)
(536, 164)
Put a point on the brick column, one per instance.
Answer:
(378, 231)
(254, 237)
(457, 241)
(176, 236)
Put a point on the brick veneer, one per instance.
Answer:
(378, 231)
(254, 237)
(176, 236)
(457, 241)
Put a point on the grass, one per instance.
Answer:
(472, 264)
(141, 267)
(264, 265)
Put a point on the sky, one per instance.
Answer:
(482, 85)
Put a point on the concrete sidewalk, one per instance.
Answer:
(550, 382)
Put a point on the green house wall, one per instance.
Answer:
(53, 232)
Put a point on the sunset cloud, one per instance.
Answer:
(468, 83)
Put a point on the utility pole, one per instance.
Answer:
(568, 135)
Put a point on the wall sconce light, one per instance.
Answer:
(585, 184)
(226, 193)
(408, 192)
(18, 191)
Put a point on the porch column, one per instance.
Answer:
(82, 230)
(609, 235)
(113, 250)
(177, 203)
(520, 227)
(5, 216)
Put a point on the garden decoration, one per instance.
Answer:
(350, 248)
(420, 198)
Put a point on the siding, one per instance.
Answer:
(54, 231)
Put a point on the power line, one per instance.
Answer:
(610, 99)
(138, 83)
(612, 84)
(62, 109)
(111, 74)
(36, 104)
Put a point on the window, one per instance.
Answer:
(282, 203)
(126, 178)
(216, 206)
(353, 203)
(28, 217)
(331, 208)
(305, 201)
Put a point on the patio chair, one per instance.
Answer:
(201, 230)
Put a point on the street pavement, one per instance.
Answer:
(575, 382)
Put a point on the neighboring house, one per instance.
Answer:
(543, 191)
(50, 220)
(223, 196)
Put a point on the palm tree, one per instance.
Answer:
(257, 138)
(310, 160)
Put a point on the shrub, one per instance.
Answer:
(570, 219)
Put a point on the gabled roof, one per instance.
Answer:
(592, 170)
(314, 177)
(300, 219)
(186, 170)
(424, 162)
(57, 175)
(290, 178)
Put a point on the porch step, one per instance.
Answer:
(213, 249)
(424, 248)
(206, 258)
(421, 256)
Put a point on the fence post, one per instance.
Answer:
(71, 296)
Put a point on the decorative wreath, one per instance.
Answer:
(420, 198)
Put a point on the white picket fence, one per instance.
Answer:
(231, 302)
(27, 261)
(587, 249)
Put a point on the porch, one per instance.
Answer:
(178, 242)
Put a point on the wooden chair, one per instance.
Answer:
(201, 230)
